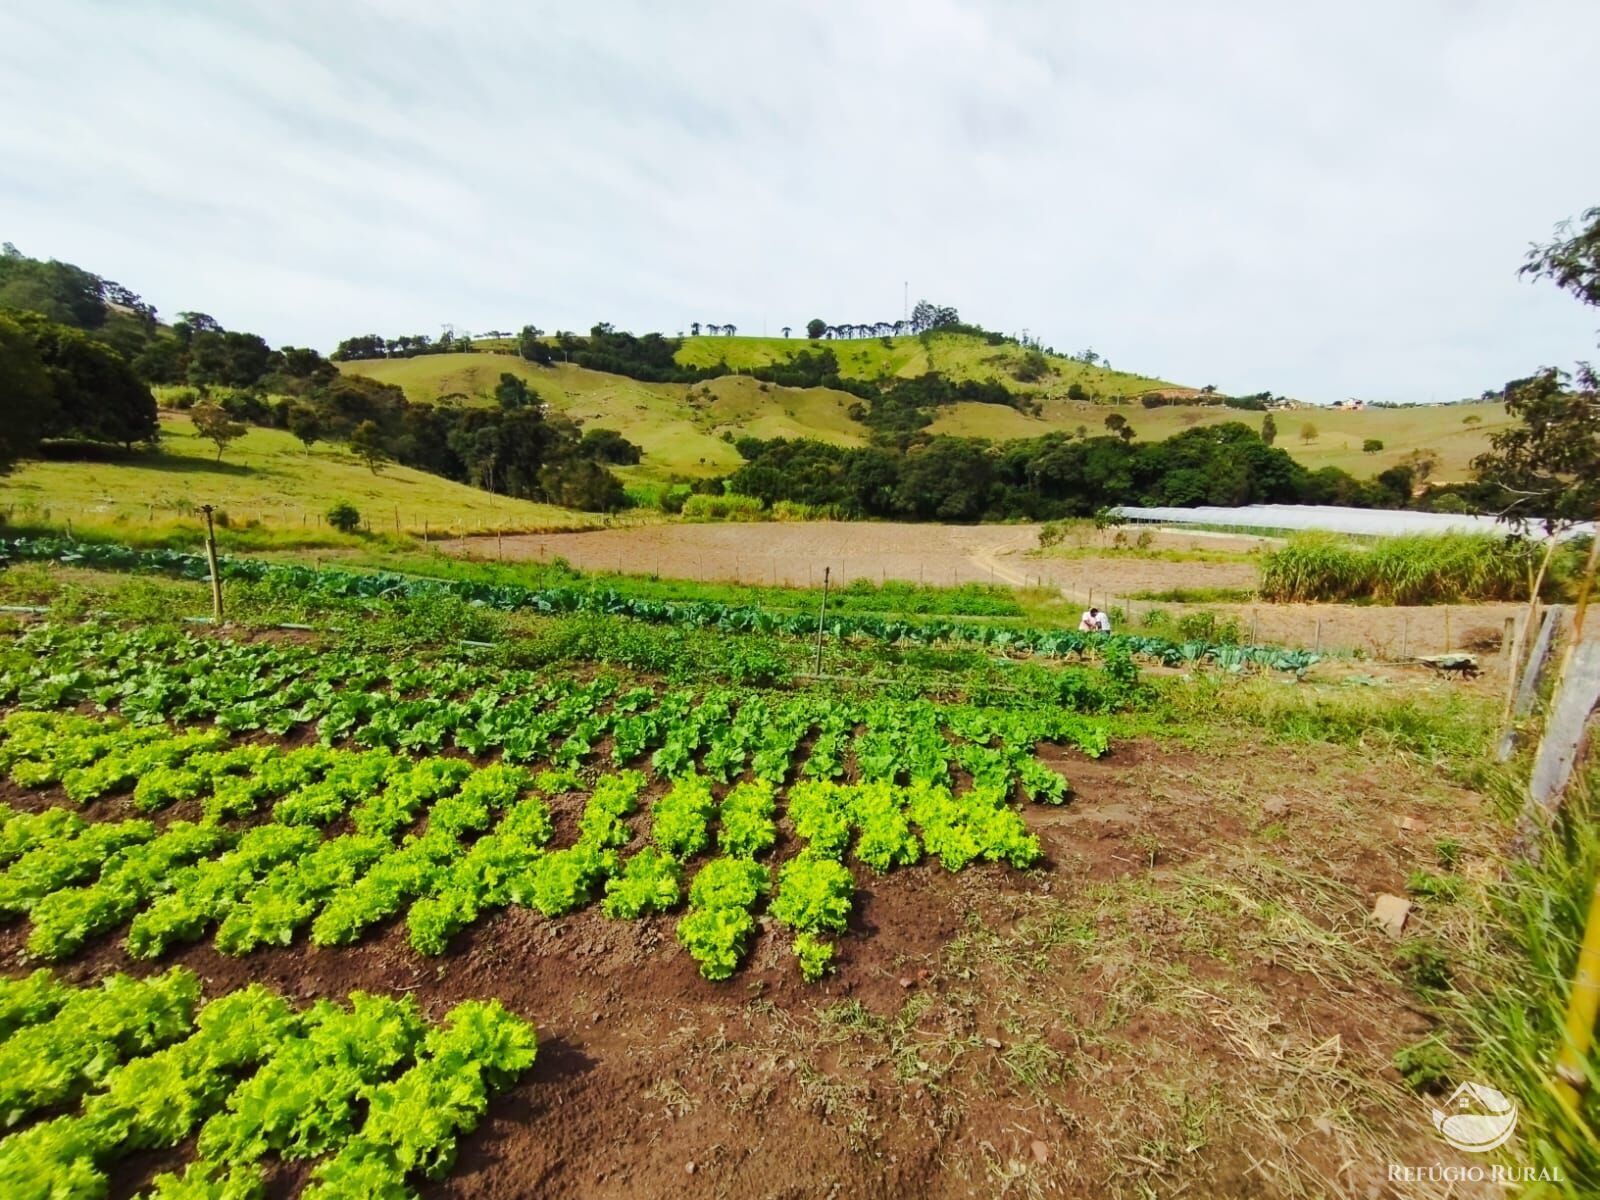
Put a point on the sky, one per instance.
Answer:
(1318, 200)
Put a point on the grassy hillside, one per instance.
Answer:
(265, 476)
(1445, 429)
(960, 356)
(681, 427)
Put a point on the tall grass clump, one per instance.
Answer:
(1429, 568)
(723, 508)
(1316, 566)
(1422, 568)
(1512, 1014)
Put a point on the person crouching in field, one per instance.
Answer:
(1094, 621)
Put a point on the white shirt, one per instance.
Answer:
(1091, 622)
(1105, 622)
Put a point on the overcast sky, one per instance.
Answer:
(1251, 195)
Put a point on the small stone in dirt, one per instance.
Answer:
(1411, 825)
(688, 1167)
(1041, 1152)
(1322, 1125)
(595, 1017)
(1392, 912)
(1275, 807)
(992, 1043)
(924, 975)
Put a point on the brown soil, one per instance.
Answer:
(1087, 1029)
(796, 553)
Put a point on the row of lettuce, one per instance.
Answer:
(730, 618)
(368, 1090)
(437, 842)
(155, 675)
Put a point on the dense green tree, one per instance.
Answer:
(513, 392)
(305, 423)
(1548, 463)
(582, 484)
(530, 345)
(815, 328)
(96, 394)
(1269, 429)
(946, 479)
(367, 443)
(27, 401)
(608, 446)
(357, 349)
(1033, 367)
(1372, 445)
(163, 360)
(344, 516)
(57, 291)
(227, 359)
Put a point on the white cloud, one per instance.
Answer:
(1322, 203)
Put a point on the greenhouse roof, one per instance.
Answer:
(1295, 518)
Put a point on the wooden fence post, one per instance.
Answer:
(822, 611)
(1561, 745)
(211, 562)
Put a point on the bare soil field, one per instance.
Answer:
(1188, 998)
(796, 553)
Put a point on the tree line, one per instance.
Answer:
(515, 447)
(1049, 477)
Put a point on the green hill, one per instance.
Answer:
(681, 427)
(266, 476)
(958, 355)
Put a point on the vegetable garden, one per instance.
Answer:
(171, 788)
(338, 584)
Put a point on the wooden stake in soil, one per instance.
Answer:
(822, 612)
(1447, 631)
(1562, 744)
(211, 561)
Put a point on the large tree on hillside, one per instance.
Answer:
(366, 440)
(58, 291)
(215, 423)
(28, 402)
(815, 328)
(97, 395)
(304, 422)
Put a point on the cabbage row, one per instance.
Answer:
(524, 716)
(367, 1089)
(729, 618)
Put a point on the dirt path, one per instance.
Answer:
(796, 554)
